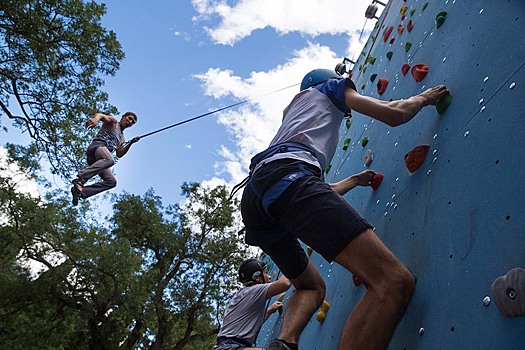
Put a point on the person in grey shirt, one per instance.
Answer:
(247, 311)
(99, 158)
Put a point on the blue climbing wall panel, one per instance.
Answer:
(459, 221)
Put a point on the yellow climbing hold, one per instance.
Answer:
(403, 10)
(309, 250)
(321, 315)
(281, 297)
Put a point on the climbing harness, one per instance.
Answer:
(280, 186)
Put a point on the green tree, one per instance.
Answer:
(53, 56)
(153, 277)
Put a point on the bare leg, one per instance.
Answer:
(305, 300)
(390, 287)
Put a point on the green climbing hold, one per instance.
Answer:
(424, 6)
(389, 55)
(443, 103)
(440, 19)
(412, 12)
(408, 45)
(348, 123)
(363, 53)
(373, 77)
(327, 169)
(360, 67)
(364, 69)
(371, 60)
(346, 144)
(364, 141)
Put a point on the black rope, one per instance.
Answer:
(214, 111)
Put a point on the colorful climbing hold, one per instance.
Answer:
(371, 59)
(416, 157)
(424, 6)
(412, 12)
(364, 141)
(405, 68)
(321, 315)
(400, 29)
(392, 41)
(309, 250)
(387, 33)
(443, 103)
(389, 55)
(373, 77)
(281, 297)
(363, 86)
(327, 169)
(376, 181)
(408, 45)
(440, 19)
(348, 122)
(381, 85)
(346, 143)
(419, 72)
(410, 25)
(369, 157)
(403, 10)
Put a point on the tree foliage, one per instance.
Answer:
(152, 277)
(53, 56)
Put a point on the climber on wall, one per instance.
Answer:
(245, 313)
(286, 199)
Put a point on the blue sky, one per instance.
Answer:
(185, 58)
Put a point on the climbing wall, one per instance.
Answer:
(458, 221)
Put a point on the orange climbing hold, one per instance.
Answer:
(403, 10)
(405, 68)
(387, 33)
(381, 85)
(356, 280)
(416, 157)
(400, 29)
(419, 72)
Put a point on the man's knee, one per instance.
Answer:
(111, 182)
(399, 284)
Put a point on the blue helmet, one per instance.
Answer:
(318, 76)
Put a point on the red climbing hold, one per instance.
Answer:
(356, 280)
(410, 25)
(392, 41)
(376, 181)
(416, 157)
(400, 29)
(405, 68)
(381, 85)
(419, 72)
(363, 86)
(387, 33)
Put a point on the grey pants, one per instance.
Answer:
(100, 161)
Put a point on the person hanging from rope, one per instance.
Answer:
(286, 200)
(246, 312)
(109, 138)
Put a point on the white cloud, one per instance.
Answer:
(245, 16)
(23, 184)
(254, 124)
(188, 146)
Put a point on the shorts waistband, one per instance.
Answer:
(233, 339)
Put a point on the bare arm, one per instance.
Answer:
(277, 287)
(274, 307)
(107, 120)
(393, 113)
(364, 178)
(121, 151)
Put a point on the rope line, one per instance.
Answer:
(214, 111)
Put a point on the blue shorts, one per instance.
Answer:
(308, 210)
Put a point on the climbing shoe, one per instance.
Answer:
(76, 191)
(277, 345)
(76, 196)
